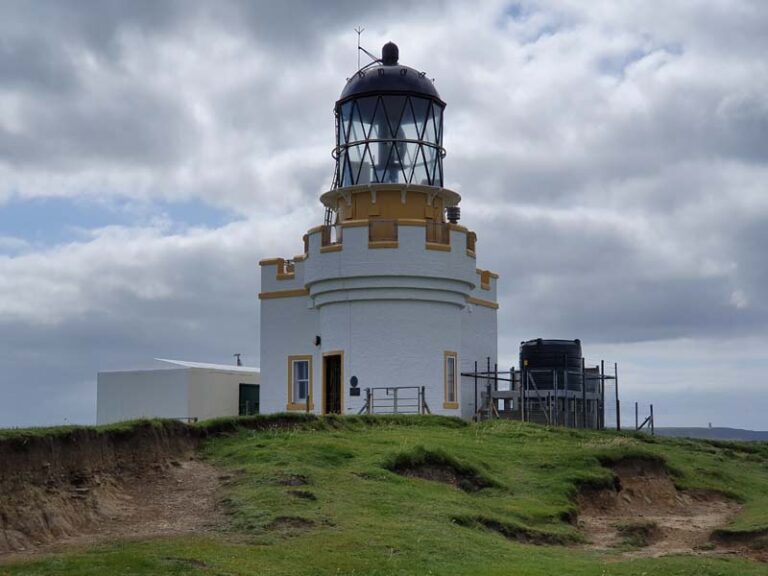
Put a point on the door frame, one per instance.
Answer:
(340, 354)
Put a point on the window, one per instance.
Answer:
(299, 382)
(451, 381)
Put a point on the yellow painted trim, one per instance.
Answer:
(341, 379)
(471, 254)
(270, 261)
(331, 248)
(457, 227)
(481, 302)
(438, 246)
(411, 222)
(300, 258)
(451, 405)
(449, 354)
(284, 293)
(315, 230)
(490, 274)
(354, 224)
(384, 244)
(299, 405)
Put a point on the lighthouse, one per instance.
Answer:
(385, 307)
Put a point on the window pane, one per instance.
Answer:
(450, 376)
(367, 107)
(420, 110)
(394, 106)
(300, 380)
(346, 114)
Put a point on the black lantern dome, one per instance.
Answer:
(389, 126)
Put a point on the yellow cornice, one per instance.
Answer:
(384, 244)
(354, 224)
(481, 302)
(292, 293)
(411, 222)
(490, 274)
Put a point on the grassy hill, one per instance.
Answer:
(431, 495)
(715, 434)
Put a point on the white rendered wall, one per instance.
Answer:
(216, 393)
(393, 312)
(141, 394)
(288, 328)
(479, 341)
(393, 343)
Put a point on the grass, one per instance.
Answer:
(21, 434)
(356, 513)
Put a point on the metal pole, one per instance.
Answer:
(637, 420)
(475, 386)
(557, 400)
(523, 393)
(618, 403)
(653, 425)
(602, 394)
(583, 396)
(488, 385)
(566, 399)
(550, 408)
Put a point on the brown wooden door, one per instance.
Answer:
(332, 384)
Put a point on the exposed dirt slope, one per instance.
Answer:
(646, 511)
(55, 487)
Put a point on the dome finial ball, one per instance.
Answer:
(390, 54)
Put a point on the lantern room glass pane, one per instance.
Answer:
(390, 139)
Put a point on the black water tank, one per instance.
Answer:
(544, 359)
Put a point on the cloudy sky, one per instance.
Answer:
(612, 156)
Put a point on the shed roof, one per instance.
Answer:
(208, 366)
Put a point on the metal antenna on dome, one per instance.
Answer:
(359, 31)
(360, 48)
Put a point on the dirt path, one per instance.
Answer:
(647, 516)
(179, 498)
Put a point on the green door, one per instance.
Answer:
(249, 399)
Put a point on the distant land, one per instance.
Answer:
(715, 433)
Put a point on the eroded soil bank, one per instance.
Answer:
(58, 487)
(646, 515)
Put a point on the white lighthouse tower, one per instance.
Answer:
(386, 296)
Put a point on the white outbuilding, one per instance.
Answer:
(385, 308)
(189, 391)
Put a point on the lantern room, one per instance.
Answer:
(389, 126)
